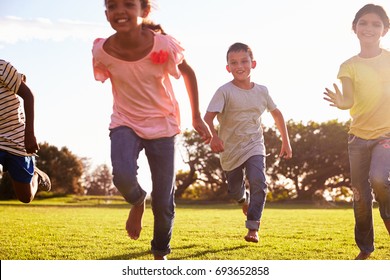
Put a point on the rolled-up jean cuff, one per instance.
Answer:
(161, 253)
(252, 225)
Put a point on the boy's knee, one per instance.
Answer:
(25, 197)
(130, 190)
(124, 182)
(23, 191)
(134, 196)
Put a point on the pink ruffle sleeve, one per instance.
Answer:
(99, 70)
(176, 56)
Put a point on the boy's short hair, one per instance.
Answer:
(237, 47)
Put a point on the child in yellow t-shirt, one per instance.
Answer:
(365, 92)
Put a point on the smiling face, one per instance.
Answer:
(369, 29)
(124, 15)
(240, 65)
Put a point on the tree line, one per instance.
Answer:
(318, 170)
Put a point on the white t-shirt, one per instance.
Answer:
(239, 117)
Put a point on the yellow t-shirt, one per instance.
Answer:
(371, 80)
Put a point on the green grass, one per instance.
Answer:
(93, 229)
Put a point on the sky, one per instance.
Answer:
(299, 46)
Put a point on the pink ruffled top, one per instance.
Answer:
(143, 95)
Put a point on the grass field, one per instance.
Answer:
(90, 229)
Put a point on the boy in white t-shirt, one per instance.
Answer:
(238, 106)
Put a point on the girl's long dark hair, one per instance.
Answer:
(148, 23)
(152, 26)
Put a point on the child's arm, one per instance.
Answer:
(30, 141)
(340, 100)
(285, 150)
(216, 144)
(192, 89)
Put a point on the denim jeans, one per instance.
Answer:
(370, 173)
(125, 149)
(254, 171)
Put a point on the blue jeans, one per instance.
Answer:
(125, 149)
(370, 173)
(254, 171)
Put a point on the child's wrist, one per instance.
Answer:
(196, 115)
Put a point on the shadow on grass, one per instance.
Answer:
(201, 253)
(197, 255)
(130, 256)
(135, 256)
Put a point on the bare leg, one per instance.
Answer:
(134, 222)
(245, 207)
(245, 204)
(25, 192)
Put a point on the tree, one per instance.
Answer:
(320, 158)
(63, 167)
(204, 168)
(319, 164)
(100, 181)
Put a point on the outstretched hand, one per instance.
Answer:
(335, 97)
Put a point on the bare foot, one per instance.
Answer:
(245, 207)
(252, 236)
(134, 222)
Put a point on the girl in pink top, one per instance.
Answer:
(138, 59)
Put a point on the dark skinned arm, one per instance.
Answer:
(30, 141)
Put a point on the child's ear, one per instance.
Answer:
(228, 68)
(254, 64)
